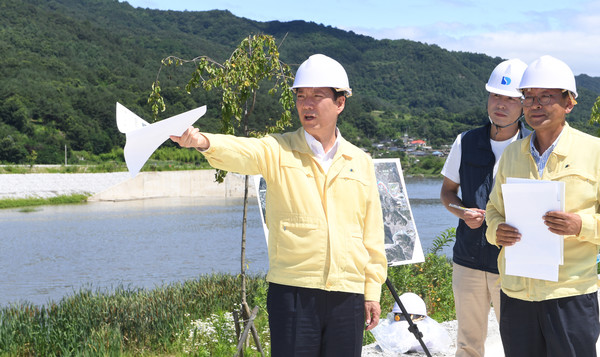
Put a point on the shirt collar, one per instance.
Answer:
(546, 153)
(317, 148)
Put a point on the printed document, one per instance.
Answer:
(540, 252)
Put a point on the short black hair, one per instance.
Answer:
(337, 94)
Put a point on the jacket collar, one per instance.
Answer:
(562, 146)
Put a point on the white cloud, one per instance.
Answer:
(568, 34)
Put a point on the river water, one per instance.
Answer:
(55, 251)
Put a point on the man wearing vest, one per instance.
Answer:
(542, 317)
(471, 166)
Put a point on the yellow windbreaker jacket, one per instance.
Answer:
(576, 161)
(325, 230)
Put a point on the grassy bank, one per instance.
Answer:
(36, 201)
(190, 318)
(174, 319)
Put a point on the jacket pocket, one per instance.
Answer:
(357, 256)
(581, 189)
(302, 242)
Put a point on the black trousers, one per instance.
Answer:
(565, 327)
(313, 322)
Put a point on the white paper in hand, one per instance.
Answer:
(142, 138)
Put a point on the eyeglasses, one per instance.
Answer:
(543, 100)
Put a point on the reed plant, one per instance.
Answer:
(123, 322)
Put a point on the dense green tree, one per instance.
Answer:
(65, 63)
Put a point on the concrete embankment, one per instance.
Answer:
(197, 183)
(119, 186)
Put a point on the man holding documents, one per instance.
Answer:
(471, 167)
(326, 240)
(549, 304)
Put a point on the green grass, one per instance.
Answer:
(28, 203)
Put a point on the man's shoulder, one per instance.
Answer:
(580, 137)
(288, 138)
(476, 133)
(516, 149)
(354, 151)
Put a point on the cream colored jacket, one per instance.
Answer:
(576, 161)
(325, 230)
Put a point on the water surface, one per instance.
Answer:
(56, 250)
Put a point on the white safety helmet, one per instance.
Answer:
(322, 71)
(412, 303)
(505, 78)
(549, 72)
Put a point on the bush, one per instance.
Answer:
(431, 280)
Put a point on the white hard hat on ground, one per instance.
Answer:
(412, 303)
(322, 71)
(505, 78)
(549, 72)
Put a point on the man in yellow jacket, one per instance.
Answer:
(326, 239)
(539, 317)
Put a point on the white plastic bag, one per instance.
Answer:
(393, 336)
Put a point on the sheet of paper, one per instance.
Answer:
(539, 252)
(142, 138)
(561, 193)
(536, 271)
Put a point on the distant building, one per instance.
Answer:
(418, 143)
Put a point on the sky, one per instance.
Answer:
(525, 29)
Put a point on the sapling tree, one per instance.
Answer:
(253, 64)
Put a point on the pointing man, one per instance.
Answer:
(326, 254)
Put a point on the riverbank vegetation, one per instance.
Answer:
(171, 159)
(189, 318)
(28, 203)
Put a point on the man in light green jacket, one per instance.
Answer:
(326, 239)
(540, 317)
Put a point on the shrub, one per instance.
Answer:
(431, 280)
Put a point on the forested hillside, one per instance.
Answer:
(65, 63)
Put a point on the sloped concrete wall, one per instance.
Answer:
(197, 183)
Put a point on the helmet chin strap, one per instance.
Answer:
(498, 127)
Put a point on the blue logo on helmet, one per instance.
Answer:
(505, 81)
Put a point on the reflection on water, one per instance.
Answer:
(55, 250)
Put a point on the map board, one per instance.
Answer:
(402, 244)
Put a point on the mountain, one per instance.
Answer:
(65, 63)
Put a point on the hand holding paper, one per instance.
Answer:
(144, 138)
(191, 138)
(507, 235)
(563, 223)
